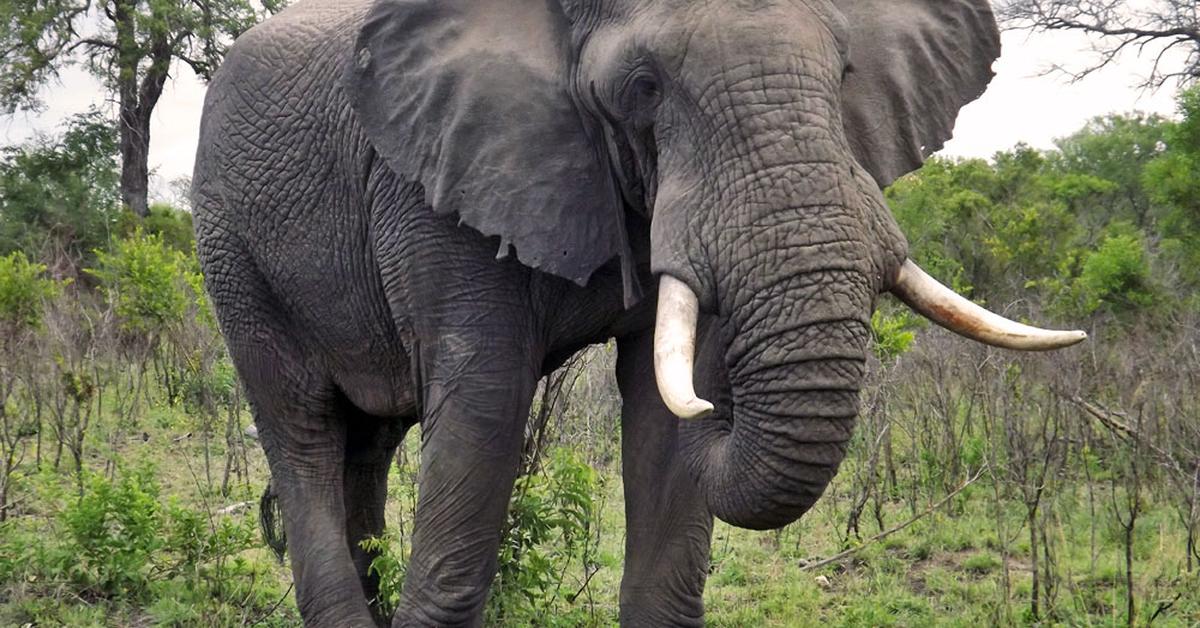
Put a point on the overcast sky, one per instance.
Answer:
(1019, 106)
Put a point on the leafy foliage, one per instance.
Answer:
(549, 523)
(131, 46)
(114, 37)
(390, 566)
(1117, 274)
(1111, 151)
(120, 540)
(23, 292)
(147, 281)
(551, 526)
(894, 332)
(58, 196)
(1105, 225)
(1174, 183)
(114, 533)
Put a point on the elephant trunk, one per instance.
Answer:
(795, 356)
(769, 464)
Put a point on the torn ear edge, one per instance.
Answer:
(916, 64)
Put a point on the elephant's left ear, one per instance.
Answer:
(915, 64)
(471, 100)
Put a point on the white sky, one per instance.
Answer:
(1019, 105)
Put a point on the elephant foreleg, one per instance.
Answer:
(477, 394)
(668, 527)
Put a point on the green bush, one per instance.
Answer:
(147, 282)
(894, 332)
(1116, 276)
(551, 522)
(173, 226)
(23, 291)
(114, 529)
(390, 566)
(1173, 181)
(119, 541)
(59, 196)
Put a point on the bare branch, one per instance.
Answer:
(886, 533)
(1119, 26)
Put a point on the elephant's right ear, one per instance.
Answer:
(470, 99)
(915, 64)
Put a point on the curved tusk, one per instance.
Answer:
(675, 349)
(954, 312)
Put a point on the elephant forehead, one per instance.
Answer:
(712, 49)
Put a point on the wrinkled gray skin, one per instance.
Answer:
(363, 163)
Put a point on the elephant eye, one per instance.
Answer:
(847, 70)
(640, 94)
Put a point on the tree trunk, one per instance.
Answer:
(137, 100)
(135, 136)
(135, 168)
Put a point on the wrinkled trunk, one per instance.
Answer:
(794, 330)
(764, 459)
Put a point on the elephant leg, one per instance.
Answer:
(370, 444)
(476, 398)
(301, 421)
(668, 526)
(303, 432)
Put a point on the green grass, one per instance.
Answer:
(947, 569)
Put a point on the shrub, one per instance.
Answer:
(173, 226)
(390, 566)
(550, 526)
(120, 542)
(549, 523)
(145, 280)
(893, 332)
(1116, 276)
(23, 290)
(114, 530)
(59, 196)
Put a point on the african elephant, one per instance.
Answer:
(410, 210)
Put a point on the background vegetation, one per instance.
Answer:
(983, 487)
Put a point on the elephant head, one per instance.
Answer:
(755, 136)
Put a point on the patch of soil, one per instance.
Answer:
(953, 562)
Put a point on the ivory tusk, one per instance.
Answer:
(675, 349)
(954, 312)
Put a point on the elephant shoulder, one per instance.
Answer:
(280, 79)
(275, 110)
(297, 45)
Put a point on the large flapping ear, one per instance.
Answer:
(470, 98)
(915, 64)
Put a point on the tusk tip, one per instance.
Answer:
(1056, 340)
(1075, 337)
(693, 409)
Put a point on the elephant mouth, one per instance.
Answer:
(678, 310)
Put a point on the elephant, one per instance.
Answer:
(409, 211)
